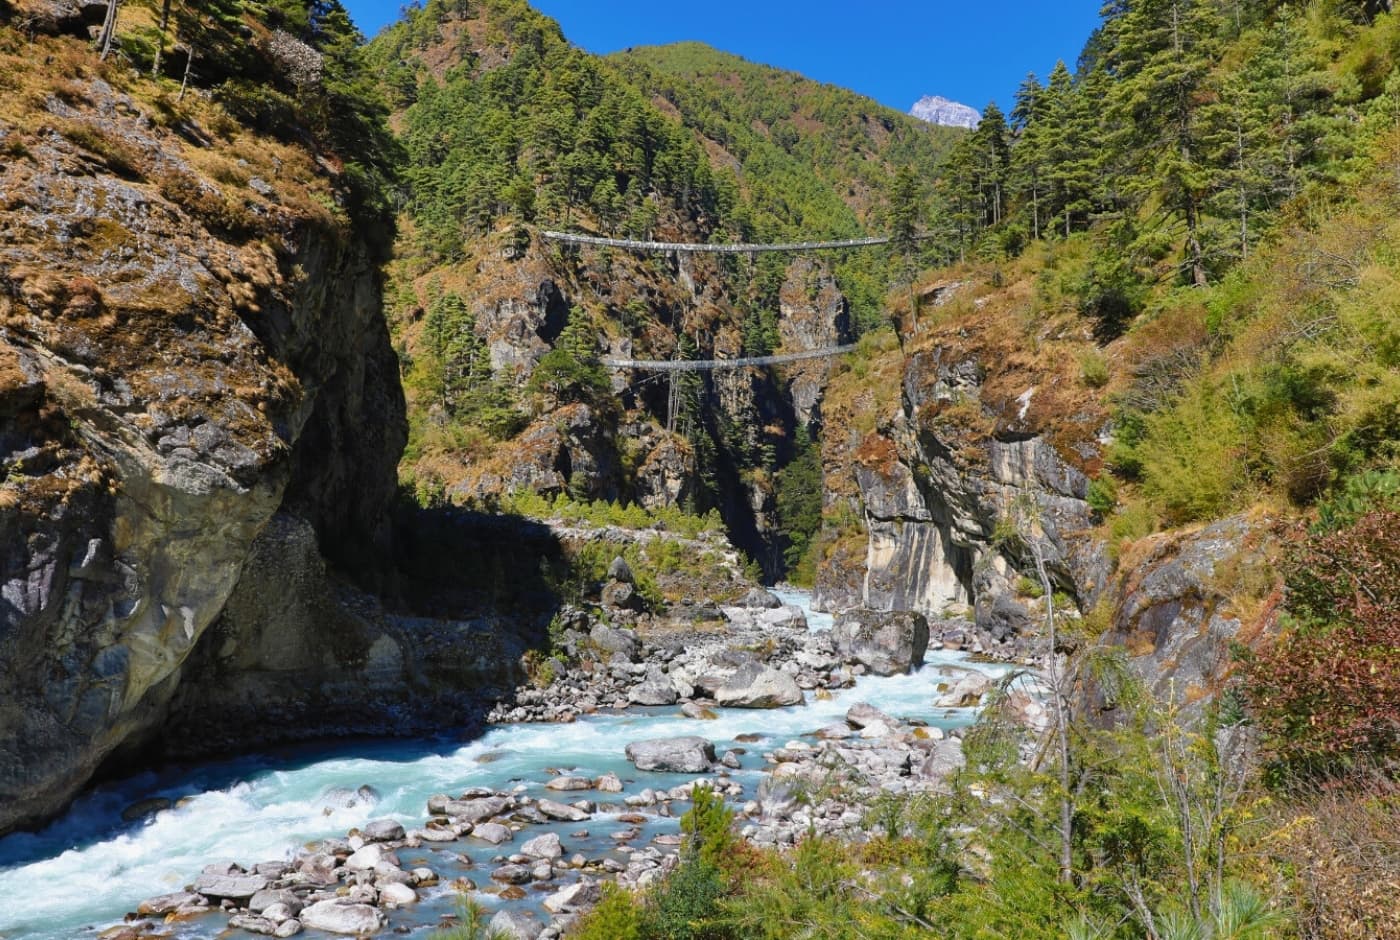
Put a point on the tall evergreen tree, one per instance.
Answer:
(1161, 53)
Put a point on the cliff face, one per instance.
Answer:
(979, 447)
(951, 463)
(188, 341)
(938, 482)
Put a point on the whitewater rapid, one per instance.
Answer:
(87, 869)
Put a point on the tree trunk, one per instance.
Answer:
(109, 29)
(160, 43)
(1059, 693)
(189, 65)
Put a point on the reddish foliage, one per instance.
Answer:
(1328, 692)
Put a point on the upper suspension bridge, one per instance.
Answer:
(714, 248)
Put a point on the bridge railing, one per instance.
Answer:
(711, 365)
(708, 248)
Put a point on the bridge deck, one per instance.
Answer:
(711, 365)
(720, 249)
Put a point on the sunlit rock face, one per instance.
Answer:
(946, 113)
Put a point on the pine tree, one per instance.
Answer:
(1069, 145)
(992, 162)
(1161, 52)
(1028, 156)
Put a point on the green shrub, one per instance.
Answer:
(618, 916)
(1192, 458)
(1103, 495)
(1093, 369)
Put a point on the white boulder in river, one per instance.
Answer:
(515, 925)
(755, 685)
(888, 643)
(684, 755)
(343, 916)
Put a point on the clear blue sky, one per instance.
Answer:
(895, 51)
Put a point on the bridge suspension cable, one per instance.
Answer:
(714, 365)
(707, 248)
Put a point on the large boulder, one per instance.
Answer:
(612, 640)
(655, 689)
(516, 925)
(578, 896)
(234, 886)
(684, 755)
(382, 830)
(887, 643)
(343, 916)
(967, 692)
(474, 811)
(545, 846)
(757, 686)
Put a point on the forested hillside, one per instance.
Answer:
(1173, 262)
(508, 130)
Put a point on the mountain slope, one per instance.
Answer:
(508, 130)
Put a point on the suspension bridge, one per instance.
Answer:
(715, 365)
(628, 244)
(671, 367)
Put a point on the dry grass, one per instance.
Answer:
(1340, 843)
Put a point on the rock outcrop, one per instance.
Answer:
(1176, 621)
(169, 379)
(886, 643)
(935, 482)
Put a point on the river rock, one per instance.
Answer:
(569, 782)
(754, 685)
(512, 875)
(759, 599)
(887, 643)
(683, 755)
(396, 893)
(317, 868)
(169, 903)
(253, 924)
(474, 811)
(233, 887)
(561, 811)
(545, 846)
(270, 897)
(861, 714)
(967, 692)
(657, 690)
(608, 783)
(697, 711)
(945, 758)
(382, 830)
(436, 834)
(288, 928)
(366, 858)
(493, 833)
(280, 912)
(343, 916)
(584, 894)
(516, 925)
(612, 640)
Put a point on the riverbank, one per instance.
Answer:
(317, 810)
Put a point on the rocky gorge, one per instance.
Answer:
(537, 851)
